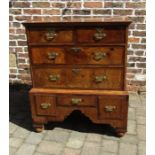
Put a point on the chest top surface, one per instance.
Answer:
(79, 21)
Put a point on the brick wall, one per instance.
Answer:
(22, 10)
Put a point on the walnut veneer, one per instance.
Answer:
(79, 64)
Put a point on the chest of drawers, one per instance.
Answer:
(79, 64)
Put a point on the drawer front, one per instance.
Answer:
(45, 105)
(101, 35)
(48, 55)
(76, 100)
(113, 107)
(95, 55)
(50, 36)
(78, 55)
(83, 78)
(49, 77)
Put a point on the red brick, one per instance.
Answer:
(41, 4)
(143, 40)
(32, 11)
(58, 5)
(10, 18)
(140, 12)
(12, 31)
(81, 12)
(22, 43)
(137, 19)
(139, 33)
(139, 53)
(20, 31)
(113, 5)
(52, 12)
(141, 26)
(133, 40)
(12, 71)
(138, 46)
(74, 5)
(21, 18)
(12, 43)
(21, 4)
(102, 12)
(122, 12)
(15, 11)
(37, 18)
(135, 5)
(93, 4)
(141, 65)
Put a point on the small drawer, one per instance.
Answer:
(101, 35)
(76, 100)
(113, 106)
(50, 36)
(47, 55)
(107, 78)
(49, 77)
(112, 55)
(45, 105)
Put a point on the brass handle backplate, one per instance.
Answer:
(54, 78)
(109, 108)
(76, 101)
(45, 105)
(75, 49)
(52, 55)
(99, 56)
(99, 35)
(99, 79)
(50, 35)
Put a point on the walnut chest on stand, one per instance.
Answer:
(79, 64)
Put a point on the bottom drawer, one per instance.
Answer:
(45, 104)
(113, 107)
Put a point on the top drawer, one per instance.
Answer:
(102, 35)
(50, 36)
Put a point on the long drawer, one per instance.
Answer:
(105, 55)
(77, 77)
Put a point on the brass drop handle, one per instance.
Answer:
(50, 35)
(75, 49)
(76, 101)
(99, 79)
(54, 78)
(99, 35)
(99, 56)
(45, 105)
(52, 55)
(109, 108)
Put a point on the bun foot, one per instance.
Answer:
(38, 127)
(120, 132)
